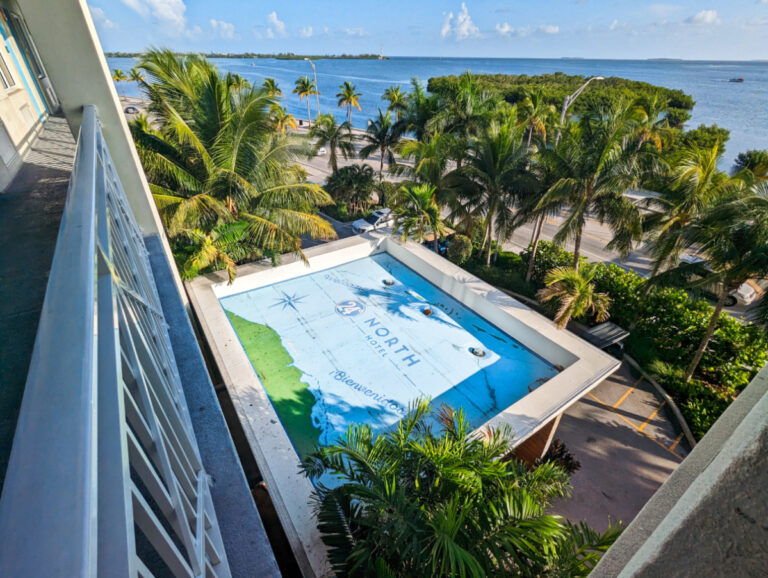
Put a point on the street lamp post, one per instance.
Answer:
(569, 100)
(317, 86)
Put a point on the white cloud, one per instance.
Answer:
(705, 17)
(223, 29)
(277, 26)
(170, 13)
(359, 32)
(462, 28)
(306, 32)
(100, 17)
(614, 24)
(549, 29)
(446, 29)
(507, 30)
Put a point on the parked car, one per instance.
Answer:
(322, 151)
(379, 219)
(131, 110)
(744, 295)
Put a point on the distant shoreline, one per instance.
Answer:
(280, 56)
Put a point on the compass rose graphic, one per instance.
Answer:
(288, 301)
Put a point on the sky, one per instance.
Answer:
(689, 29)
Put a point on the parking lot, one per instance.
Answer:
(628, 443)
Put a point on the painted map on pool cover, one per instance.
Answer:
(352, 345)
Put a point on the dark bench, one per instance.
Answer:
(606, 334)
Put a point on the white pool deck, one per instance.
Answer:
(583, 367)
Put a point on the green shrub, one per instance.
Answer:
(548, 257)
(510, 279)
(506, 260)
(460, 249)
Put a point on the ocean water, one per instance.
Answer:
(357, 339)
(740, 107)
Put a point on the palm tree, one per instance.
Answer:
(575, 292)
(653, 124)
(352, 184)
(271, 87)
(417, 214)
(337, 137)
(383, 137)
(430, 158)
(465, 113)
(305, 88)
(397, 101)
(434, 499)
(213, 157)
(238, 83)
(597, 165)
(135, 75)
(536, 114)
(119, 76)
(494, 179)
(349, 98)
(732, 238)
(694, 184)
(421, 108)
(222, 247)
(282, 119)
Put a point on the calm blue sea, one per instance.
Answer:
(741, 108)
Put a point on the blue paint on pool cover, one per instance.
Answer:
(359, 335)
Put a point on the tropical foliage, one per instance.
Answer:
(431, 498)
(336, 138)
(305, 88)
(575, 294)
(417, 214)
(349, 98)
(213, 157)
(382, 137)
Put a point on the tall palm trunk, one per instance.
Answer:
(485, 238)
(437, 247)
(577, 249)
(530, 135)
(309, 114)
(708, 335)
(534, 248)
(490, 235)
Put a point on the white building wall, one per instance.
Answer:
(22, 110)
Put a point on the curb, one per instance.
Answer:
(670, 402)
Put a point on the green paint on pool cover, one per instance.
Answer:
(353, 344)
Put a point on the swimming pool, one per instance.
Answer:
(357, 343)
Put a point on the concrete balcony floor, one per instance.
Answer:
(30, 214)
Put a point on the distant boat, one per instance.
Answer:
(736, 80)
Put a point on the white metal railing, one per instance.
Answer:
(105, 476)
